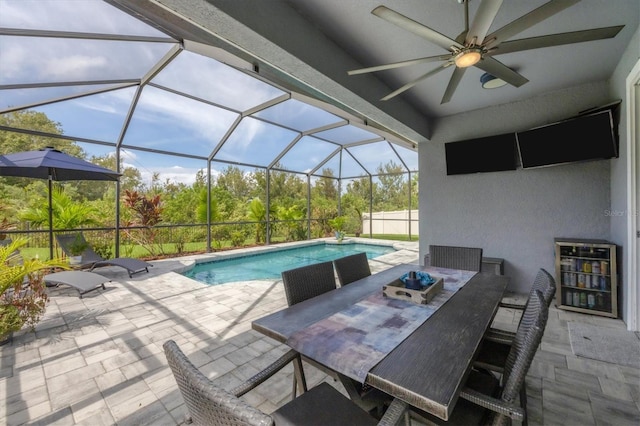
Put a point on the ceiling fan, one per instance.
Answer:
(474, 47)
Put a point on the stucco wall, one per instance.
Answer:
(619, 166)
(515, 215)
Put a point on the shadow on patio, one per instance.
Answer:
(99, 360)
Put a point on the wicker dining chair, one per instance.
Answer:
(497, 344)
(486, 399)
(304, 283)
(546, 284)
(313, 280)
(466, 258)
(209, 404)
(351, 268)
(308, 281)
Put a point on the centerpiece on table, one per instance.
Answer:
(414, 286)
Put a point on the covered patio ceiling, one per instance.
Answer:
(113, 81)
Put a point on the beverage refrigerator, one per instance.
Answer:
(586, 276)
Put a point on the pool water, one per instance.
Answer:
(271, 264)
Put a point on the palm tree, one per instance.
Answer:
(291, 219)
(258, 213)
(67, 214)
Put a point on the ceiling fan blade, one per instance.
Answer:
(503, 72)
(400, 64)
(530, 19)
(416, 81)
(453, 84)
(557, 39)
(482, 21)
(409, 24)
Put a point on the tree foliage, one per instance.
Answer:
(32, 120)
(147, 212)
(66, 214)
(237, 203)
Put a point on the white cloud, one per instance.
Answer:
(71, 15)
(146, 164)
(174, 174)
(72, 67)
(127, 155)
(194, 117)
(246, 132)
(11, 65)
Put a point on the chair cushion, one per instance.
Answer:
(321, 405)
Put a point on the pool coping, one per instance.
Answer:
(191, 261)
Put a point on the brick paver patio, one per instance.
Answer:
(99, 360)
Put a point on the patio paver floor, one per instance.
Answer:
(99, 360)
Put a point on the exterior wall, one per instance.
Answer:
(396, 222)
(619, 169)
(515, 215)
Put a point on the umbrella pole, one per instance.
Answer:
(50, 219)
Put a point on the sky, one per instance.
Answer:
(195, 105)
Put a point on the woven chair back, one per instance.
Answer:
(351, 268)
(524, 347)
(466, 258)
(207, 403)
(308, 281)
(545, 283)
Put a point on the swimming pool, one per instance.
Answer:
(270, 265)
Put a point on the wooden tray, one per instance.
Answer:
(397, 290)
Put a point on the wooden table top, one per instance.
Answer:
(429, 368)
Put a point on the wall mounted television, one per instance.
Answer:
(588, 137)
(487, 154)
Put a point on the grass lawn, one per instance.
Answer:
(171, 249)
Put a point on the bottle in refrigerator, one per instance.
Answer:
(599, 301)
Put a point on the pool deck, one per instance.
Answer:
(99, 360)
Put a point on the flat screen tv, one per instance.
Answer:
(488, 154)
(588, 137)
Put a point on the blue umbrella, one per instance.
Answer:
(51, 164)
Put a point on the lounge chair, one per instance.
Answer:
(91, 259)
(82, 281)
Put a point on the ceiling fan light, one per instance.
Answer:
(489, 81)
(468, 58)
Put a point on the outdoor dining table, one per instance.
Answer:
(428, 368)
